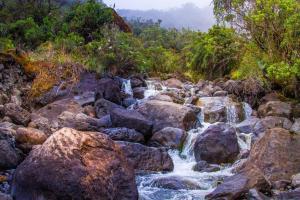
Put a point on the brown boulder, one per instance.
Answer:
(275, 108)
(110, 90)
(173, 83)
(17, 114)
(28, 137)
(124, 134)
(147, 158)
(9, 155)
(167, 114)
(168, 137)
(104, 107)
(271, 122)
(217, 144)
(75, 165)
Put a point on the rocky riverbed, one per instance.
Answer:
(143, 138)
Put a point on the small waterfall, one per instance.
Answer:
(245, 141)
(126, 87)
(153, 88)
(231, 111)
(247, 110)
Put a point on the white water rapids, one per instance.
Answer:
(184, 162)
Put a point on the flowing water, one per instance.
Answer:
(126, 87)
(184, 162)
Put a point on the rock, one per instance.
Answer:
(147, 158)
(296, 126)
(46, 118)
(75, 165)
(161, 97)
(221, 93)
(191, 100)
(17, 114)
(129, 102)
(89, 111)
(137, 81)
(173, 83)
(175, 96)
(291, 195)
(201, 165)
(175, 183)
(79, 121)
(281, 185)
(87, 98)
(104, 107)
(125, 134)
(296, 111)
(221, 109)
(5, 197)
(254, 194)
(217, 144)
(247, 126)
(296, 180)
(28, 137)
(10, 157)
(168, 137)
(275, 156)
(275, 108)
(236, 186)
(133, 120)
(110, 90)
(139, 92)
(167, 114)
(105, 121)
(271, 122)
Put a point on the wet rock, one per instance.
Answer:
(275, 108)
(110, 90)
(221, 93)
(168, 137)
(291, 195)
(175, 183)
(191, 100)
(281, 185)
(271, 122)
(46, 118)
(254, 194)
(247, 126)
(139, 92)
(221, 109)
(161, 97)
(124, 134)
(296, 126)
(133, 120)
(175, 96)
(147, 158)
(69, 164)
(28, 137)
(201, 165)
(129, 102)
(236, 186)
(173, 83)
(89, 111)
(79, 121)
(104, 107)
(296, 180)
(217, 144)
(17, 114)
(87, 98)
(275, 156)
(105, 121)
(5, 196)
(167, 114)
(9, 155)
(137, 81)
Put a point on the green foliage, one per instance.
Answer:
(88, 18)
(215, 53)
(6, 44)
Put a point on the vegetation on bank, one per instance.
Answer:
(262, 43)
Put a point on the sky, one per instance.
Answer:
(154, 4)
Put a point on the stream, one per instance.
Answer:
(184, 160)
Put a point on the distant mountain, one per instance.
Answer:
(188, 16)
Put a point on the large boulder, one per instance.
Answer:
(17, 114)
(75, 165)
(247, 126)
(175, 183)
(275, 108)
(10, 156)
(147, 158)
(167, 114)
(236, 186)
(275, 155)
(217, 144)
(168, 137)
(26, 138)
(104, 107)
(173, 83)
(79, 121)
(110, 90)
(137, 81)
(221, 109)
(124, 134)
(139, 92)
(133, 120)
(271, 122)
(46, 118)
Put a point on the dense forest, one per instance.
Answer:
(258, 41)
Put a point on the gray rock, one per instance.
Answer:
(104, 107)
(124, 134)
(175, 183)
(10, 157)
(17, 114)
(296, 126)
